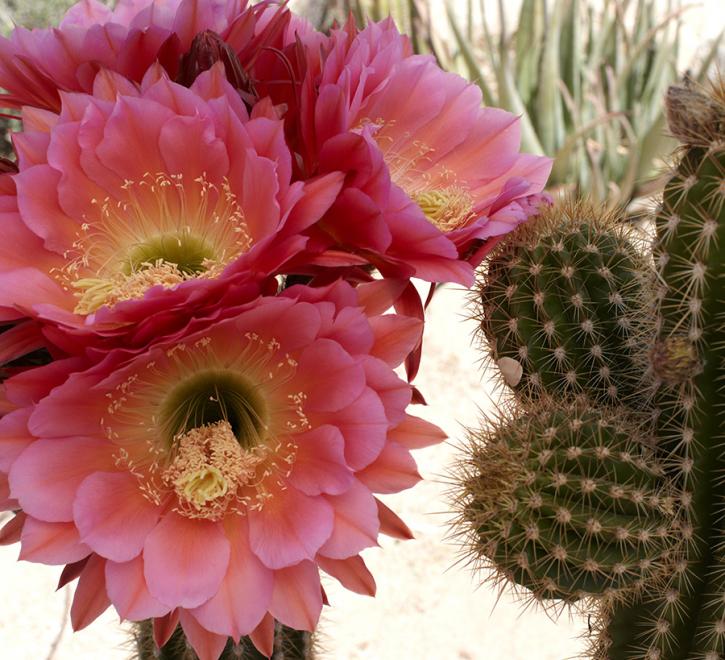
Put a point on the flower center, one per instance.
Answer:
(163, 232)
(212, 396)
(432, 186)
(208, 468)
(447, 208)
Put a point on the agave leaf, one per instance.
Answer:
(573, 140)
(644, 43)
(510, 99)
(475, 73)
(528, 44)
(549, 111)
(571, 58)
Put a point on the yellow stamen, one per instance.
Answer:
(447, 208)
(208, 468)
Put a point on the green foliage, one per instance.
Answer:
(679, 613)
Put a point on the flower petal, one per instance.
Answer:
(290, 527)
(352, 573)
(319, 465)
(112, 515)
(51, 543)
(394, 470)
(356, 523)
(330, 377)
(243, 598)
(208, 645)
(185, 560)
(90, 599)
(126, 587)
(297, 596)
(46, 476)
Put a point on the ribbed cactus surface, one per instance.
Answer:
(568, 501)
(666, 361)
(561, 298)
(685, 619)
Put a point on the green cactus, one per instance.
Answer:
(289, 644)
(678, 346)
(561, 299)
(686, 619)
(568, 502)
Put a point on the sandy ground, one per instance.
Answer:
(429, 605)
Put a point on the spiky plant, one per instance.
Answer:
(289, 644)
(679, 613)
(560, 303)
(568, 501)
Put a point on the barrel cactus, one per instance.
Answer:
(566, 501)
(667, 363)
(561, 298)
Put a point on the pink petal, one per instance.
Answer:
(165, 626)
(319, 194)
(185, 560)
(51, 543)
(319, 465)
(263, 636)
(20, 340)
(394, 470)
(189, 147)
(289, 528)
(414, 433)
(351, 329)
(112, 515)
(391, 524)
(46, 476)
(330, 378)
(11, 530)
(126, 587)
(14, 436)
(364, 426)
(394, 392)
(297, 596)
(90, 599)
(356, 523)
(395, 337)
(379, 296)
(352, 573)
(208, 645)
(243, 598)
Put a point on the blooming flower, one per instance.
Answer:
(37, 65)
(140, 201)
(209, 476)
(458, 163)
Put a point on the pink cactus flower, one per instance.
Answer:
(139, 203)
(208, 478)
(36, 65)
(457, 163)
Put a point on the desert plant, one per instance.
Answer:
(586, 78)
(677, 612)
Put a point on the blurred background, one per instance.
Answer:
(587, 78)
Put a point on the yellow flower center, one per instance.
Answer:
(208, 467)
(447, 208)
(163, 231)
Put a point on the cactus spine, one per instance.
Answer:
(666, 365)
(289, 644)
